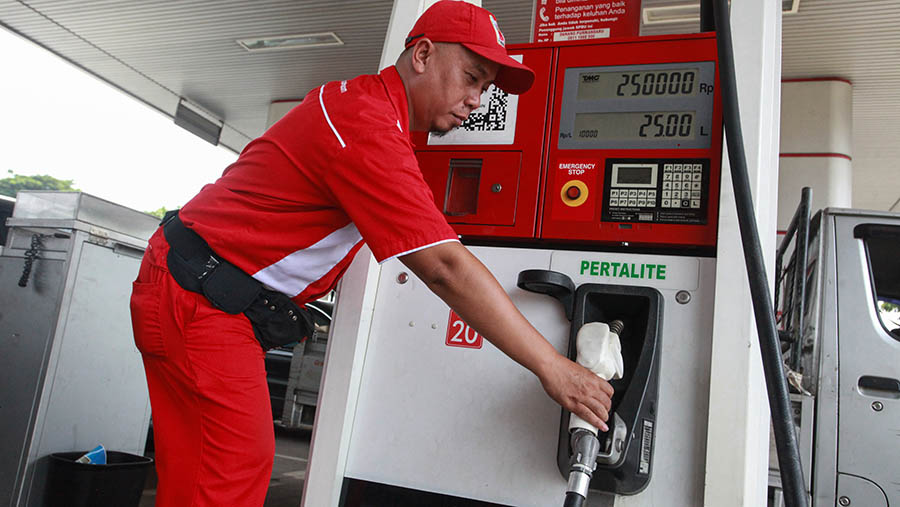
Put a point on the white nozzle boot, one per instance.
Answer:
(600, 351)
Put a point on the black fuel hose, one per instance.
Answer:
(707, 21)
(573, 500)
(785, 437)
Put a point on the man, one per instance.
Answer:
(292, 212)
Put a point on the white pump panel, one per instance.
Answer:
(472, 423)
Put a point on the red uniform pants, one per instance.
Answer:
(212, 419)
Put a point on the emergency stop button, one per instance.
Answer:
(574, 193)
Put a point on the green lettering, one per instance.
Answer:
(604, 269)
(615, 266)
(661, 272)
(650, 268)
(642, 270)
(584, 266)
(633, 271)
(623, 273)
(594, 266)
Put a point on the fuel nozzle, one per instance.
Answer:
(600, 351)
(585, 447)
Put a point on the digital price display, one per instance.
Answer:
(655, 106)
(658, 83)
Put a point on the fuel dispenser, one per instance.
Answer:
(599, 188)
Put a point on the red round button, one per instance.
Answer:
(573, 192)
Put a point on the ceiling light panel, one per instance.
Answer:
(690, 12)
(282, 42)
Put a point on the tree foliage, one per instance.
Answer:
(10, 185)
(158, 213)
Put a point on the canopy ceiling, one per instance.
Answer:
(161, 51)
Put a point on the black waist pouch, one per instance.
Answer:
(276, 320)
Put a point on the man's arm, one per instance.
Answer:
(466, 285)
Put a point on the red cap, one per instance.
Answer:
(477, 30)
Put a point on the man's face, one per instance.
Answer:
(455, 79)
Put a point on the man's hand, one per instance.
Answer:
(578, 390)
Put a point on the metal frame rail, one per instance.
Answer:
(795, 302)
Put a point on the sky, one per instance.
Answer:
(58, 120)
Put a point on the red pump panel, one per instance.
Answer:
(486, 176)
(634, 151)
(617, 142)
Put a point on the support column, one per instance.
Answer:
(349, 335)
(816, 141)
(738, 425)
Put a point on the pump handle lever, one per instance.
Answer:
(552, 283)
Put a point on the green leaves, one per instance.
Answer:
(158, 213)
(10, 185)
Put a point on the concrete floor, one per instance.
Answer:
(288, 472)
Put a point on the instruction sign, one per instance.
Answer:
(570, 20)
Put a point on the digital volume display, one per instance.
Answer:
(650, 83)
(636, 125)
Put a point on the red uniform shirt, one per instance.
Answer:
(337, 170)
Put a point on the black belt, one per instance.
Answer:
(275, 318)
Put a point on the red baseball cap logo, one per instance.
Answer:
(500, 38)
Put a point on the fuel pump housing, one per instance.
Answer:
(605, 174)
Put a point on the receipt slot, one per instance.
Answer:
(624, 464)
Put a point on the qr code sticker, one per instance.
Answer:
(493, 122)
(491, 115)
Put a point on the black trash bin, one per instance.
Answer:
(118, 483)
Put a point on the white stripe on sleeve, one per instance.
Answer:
(322, 104)
(401, 254)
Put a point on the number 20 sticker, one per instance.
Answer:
(459, 334)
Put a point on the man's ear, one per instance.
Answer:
(422, 52)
